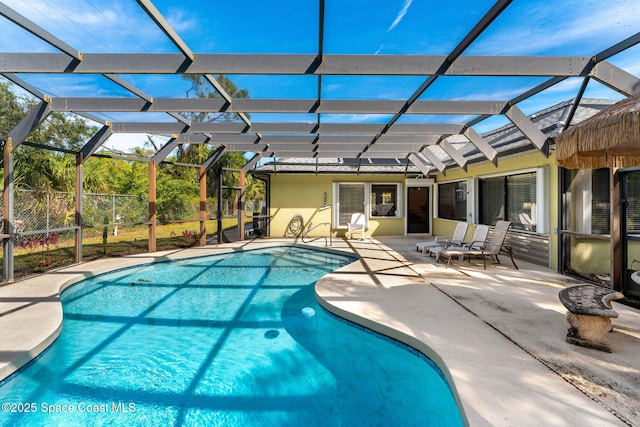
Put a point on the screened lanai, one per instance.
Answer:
(387, 83)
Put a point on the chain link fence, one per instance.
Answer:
(114, 209)
(46, 211)
(45, 225)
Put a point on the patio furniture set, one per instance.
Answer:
(477, 247)
(589, 306)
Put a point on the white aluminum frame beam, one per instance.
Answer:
(293, 64)
(420, 163)
(399, 149)
(616, 78)
(95, 142)
(29, 123)
(213, 158)
(428, 156)
(69, 52)
(253, 161)
(482, 145)
(455, 155)
(284, 128)
(264, 105)
(526, 126)
(165, 150)
(162, 23)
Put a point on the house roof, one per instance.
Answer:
(353, 81)
(507, 139)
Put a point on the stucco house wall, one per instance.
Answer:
(507, 165)
(304, 194)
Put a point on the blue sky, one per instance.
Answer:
(532, 27)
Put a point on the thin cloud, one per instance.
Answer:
(357, 118)
(573, 25)
(403, 11)
(87, 26)
(181, 21)
(497, 95)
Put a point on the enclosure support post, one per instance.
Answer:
(203, 205)
(48, 212)
(7, 238)
(219, 215)
(79, 179)
(615, 232)
(16, 137)
(152, 206)
(241, 206)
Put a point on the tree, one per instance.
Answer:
(177, 198)
(11, 110)
(62, 130)
(201, 88)
(126, 177)
(51, 170)
(197, 154)
(35, 167)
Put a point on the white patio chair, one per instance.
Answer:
(479, 237)
(458, 237)
(492, 248)
(356, 225)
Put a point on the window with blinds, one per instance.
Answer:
(375, 200)
(511, 198)
(633, 203)
(600, 213)
(350, 201)
(587, 196)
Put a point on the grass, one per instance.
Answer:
(129, 240)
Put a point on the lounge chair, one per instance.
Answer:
(494, 247)
(479, 237)
(458, 237)
(356, 225)
(527, 222)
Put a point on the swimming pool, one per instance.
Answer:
(235, 339)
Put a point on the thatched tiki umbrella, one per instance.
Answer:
(608, 139)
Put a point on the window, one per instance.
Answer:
(350, 201)
(585, 212)
(632, 192)
(384, 199)
(600, 219)
(373, 199)
(511, 198)
(492, 196)
(452, 200)
(588, 194)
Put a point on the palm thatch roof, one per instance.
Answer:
(610, 138)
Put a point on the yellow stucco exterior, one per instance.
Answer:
(304, 194)
(293, 194)
(509, 164)
(590, 256)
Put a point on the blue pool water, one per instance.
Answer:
(225, 340)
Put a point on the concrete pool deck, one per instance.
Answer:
(500, 332)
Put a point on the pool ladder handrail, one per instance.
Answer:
(309, 229)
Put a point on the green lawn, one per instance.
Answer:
(128, 241)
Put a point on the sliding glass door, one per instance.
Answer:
(630, 224)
